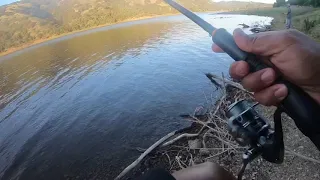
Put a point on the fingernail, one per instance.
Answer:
(281, 93)
(240, 71)
(267, 76)
(239, 32)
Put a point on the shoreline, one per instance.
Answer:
(207, 140)
(37, 42)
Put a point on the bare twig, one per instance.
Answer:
(178, 160)
(169, 159)
(213, 131)
(227, 82)
(210, 148)
(150, 149)
(178, 138)
(215, 155)
(191, 162)
(302, 156)
(204, 139)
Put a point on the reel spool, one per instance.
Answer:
(251, 130)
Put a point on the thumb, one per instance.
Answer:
(265, 43)
(244, 41)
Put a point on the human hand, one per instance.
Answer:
(205, 171)
(295, 56)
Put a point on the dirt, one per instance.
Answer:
(293, 167)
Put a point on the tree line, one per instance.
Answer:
(314, 3)
(27, 21)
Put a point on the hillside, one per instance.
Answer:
(27, 21)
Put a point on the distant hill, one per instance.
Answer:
(27, 21)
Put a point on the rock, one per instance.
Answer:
(244, 25)
(268, 27)
(248, 167)
(194, 144)
(258, 29)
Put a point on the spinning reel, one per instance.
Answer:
(253, 131)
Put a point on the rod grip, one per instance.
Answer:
(299, 105)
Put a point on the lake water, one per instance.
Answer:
(76, 107)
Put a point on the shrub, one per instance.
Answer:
(308, 24)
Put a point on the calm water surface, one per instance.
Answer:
(75, 107)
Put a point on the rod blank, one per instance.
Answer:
(192, 16)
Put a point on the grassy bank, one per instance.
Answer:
(299, 16)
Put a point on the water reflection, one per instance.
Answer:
(72, 107)
(52, 63)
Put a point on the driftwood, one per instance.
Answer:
(178, 138)
(150, 149)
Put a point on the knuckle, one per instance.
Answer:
(290, 35)
(251, 82)
(254, 40)
(247, 86)
(263, 99)
(233, 73)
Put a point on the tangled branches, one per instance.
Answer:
(207, 139)
(209, 134)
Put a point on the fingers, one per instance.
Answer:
(259, 82)
(272, 95)
(264, 44)
(252, 81)
(239, 70)
(216, 49)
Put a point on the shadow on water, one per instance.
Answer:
(76, 107)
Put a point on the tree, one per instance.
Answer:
(315, 3)
(279, 3)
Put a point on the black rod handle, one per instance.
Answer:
(299, 105)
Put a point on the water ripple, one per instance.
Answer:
(67, 104)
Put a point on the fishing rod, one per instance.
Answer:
(250, 128)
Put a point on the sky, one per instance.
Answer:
(2, 2)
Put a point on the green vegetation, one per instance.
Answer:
(314, 3)
(30, 21)
(299, 17)
(308, 25)
(279, 3)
